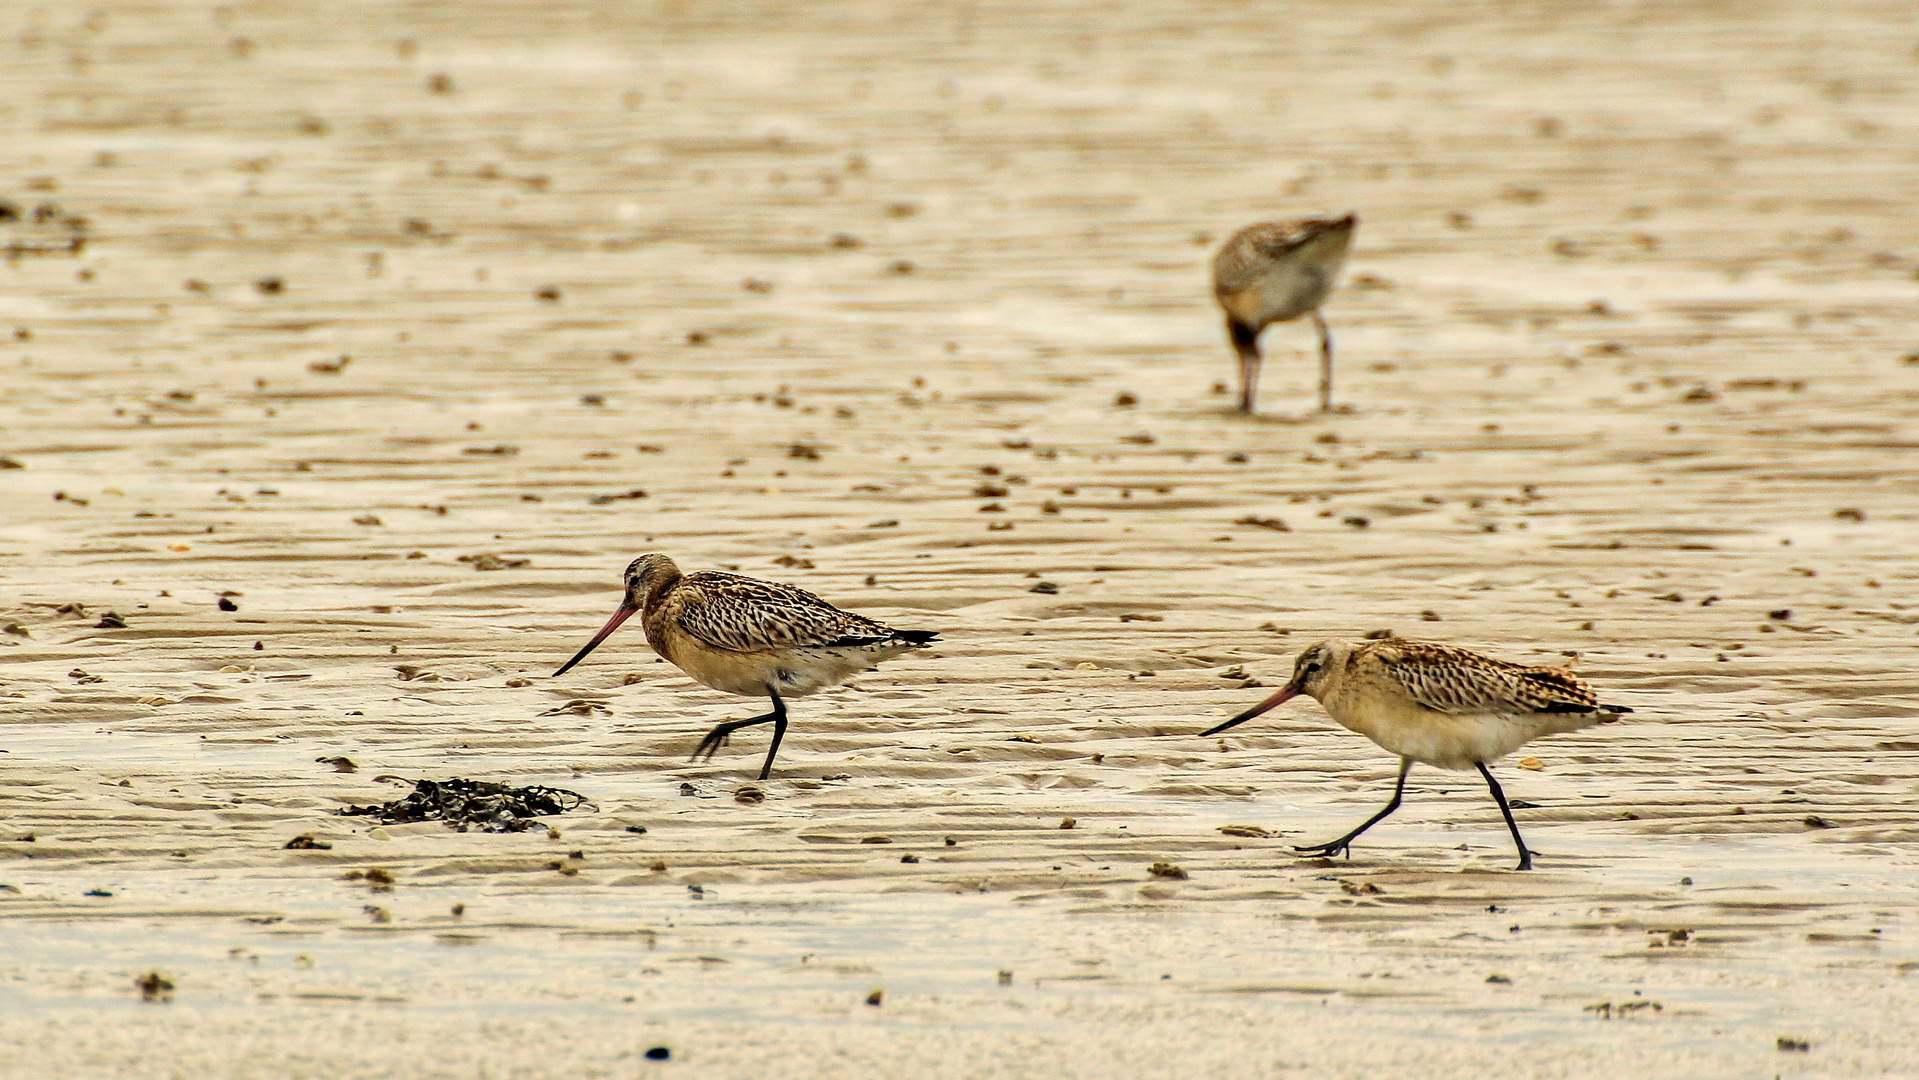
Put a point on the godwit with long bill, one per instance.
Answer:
(754, 638)
(1445, 706)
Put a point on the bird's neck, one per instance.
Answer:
(657, 591)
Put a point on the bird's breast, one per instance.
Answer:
(1286, 290)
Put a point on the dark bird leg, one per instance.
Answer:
(1325, 363)
(1246, 343)
(1345, 843)
(779, 730)
(719, 735)
(1525, 855)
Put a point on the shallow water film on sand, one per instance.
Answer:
(347, 355)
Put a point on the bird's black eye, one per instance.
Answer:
(1312, 667)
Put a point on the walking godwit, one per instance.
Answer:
(1276, 271)
(748, 637)
(1442, 705)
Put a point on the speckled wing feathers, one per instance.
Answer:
(1251, 251)
(742, 614)
(1452, 680)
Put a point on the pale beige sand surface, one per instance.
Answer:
(1624, 333)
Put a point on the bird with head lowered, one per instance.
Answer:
(1273, 272)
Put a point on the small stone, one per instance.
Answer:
(1067, 823)
(658, 1053)
(154, 986)
(1167, 870)
(1258, 522)
(876, 997)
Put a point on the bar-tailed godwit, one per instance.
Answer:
(754, 638)
(1436, 704)
(1276, 271)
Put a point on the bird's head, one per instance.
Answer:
(1314, 667)
(643, 576)
(646, 573)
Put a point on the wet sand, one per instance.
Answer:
(850, 293)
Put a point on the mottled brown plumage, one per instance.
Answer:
(1276, 271)
(749, 637)
(1437, 704)
(1448, 679)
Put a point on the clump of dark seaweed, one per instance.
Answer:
(479, 804)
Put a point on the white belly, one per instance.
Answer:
(793, 672)
(1284, 292)
(1451, 740)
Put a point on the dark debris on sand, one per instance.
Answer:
(480, 804)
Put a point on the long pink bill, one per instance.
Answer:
(1286, 693)
(626, 612)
